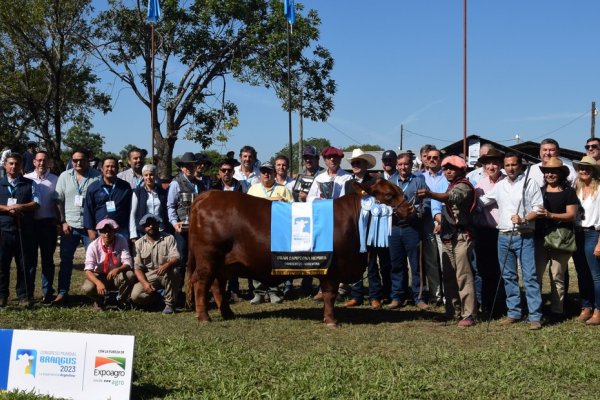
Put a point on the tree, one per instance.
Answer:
(209, 42)
(319, 143)
(45, 73)
(81, 138)
(364, 147)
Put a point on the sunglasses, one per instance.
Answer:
(356, 163)
(433, 157)
(78, 160)
(591, 146)
(226, 170)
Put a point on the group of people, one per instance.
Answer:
(461, 248)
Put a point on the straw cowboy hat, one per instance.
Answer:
(358, 154)
(587, 161)
(554, 164)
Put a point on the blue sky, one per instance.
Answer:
(533, 70)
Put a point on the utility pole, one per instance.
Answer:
(401, 135)
(594, 111)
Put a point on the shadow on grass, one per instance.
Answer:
(148, 391)
(355, 316)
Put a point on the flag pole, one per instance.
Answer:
(465, 80)
(289, 99)
(152, 96)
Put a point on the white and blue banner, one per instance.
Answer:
(301, 237)
(66, 364)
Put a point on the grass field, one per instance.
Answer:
(285, 352)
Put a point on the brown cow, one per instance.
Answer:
(230, 234)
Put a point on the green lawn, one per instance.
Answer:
(284, 352)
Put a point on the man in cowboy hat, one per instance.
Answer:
(517, 199)
(485, 221)
(460, 201)
(479, 172)
(203, 162)
(182, 190)
(361, 162)
(107, 265)
(330, 184)
(156, 257)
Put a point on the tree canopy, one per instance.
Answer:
(47, 81)
(200, 45)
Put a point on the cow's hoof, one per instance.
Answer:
(333, 325)
(228, 315)
(203, 318)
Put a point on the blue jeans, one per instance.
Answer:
(591, 239)
(584, 276)
(521, 247)
(45, 239)
(404, 245)
(68, 245)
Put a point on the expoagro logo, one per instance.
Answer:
(113, 367)
(26, 361)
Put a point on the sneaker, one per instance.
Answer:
(275, 299)
(466, 322)
(508, 321)
(421, 305)
(535, 325)
(168, 310)
(258, 298)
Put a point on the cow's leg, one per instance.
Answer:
(329, 288)
(218, 289)
(201, 295)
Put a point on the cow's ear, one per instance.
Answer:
(361, 188)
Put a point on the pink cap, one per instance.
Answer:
(456, 161)
(109, 222)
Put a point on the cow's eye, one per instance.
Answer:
(388, 196)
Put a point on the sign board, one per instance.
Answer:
(65, 364)
(473, 150)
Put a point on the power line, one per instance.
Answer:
(550, 132)
(343, 133)
(428, 137)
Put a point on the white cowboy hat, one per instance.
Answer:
(359, 154)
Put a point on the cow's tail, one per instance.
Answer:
(189, 272)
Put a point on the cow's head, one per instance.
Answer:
(387, 193)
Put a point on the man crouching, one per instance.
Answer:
(156, 256)
(108, 265)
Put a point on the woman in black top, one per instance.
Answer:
(560, 208)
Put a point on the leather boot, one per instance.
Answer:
(595, 320)
(586, 313)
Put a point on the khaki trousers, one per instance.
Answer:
(459, 286)
(557, 263)
(170, 282)
(122, 283)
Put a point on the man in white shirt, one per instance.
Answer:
(45, 220)
(330, 184)
(133, 175)
(518, 199)
(549, 148)
(247, 172)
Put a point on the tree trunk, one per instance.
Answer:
(164, 153)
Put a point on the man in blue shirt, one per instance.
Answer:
(405, 239)
(109, 197)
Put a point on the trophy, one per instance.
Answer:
(326, 189)
(186, 201)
